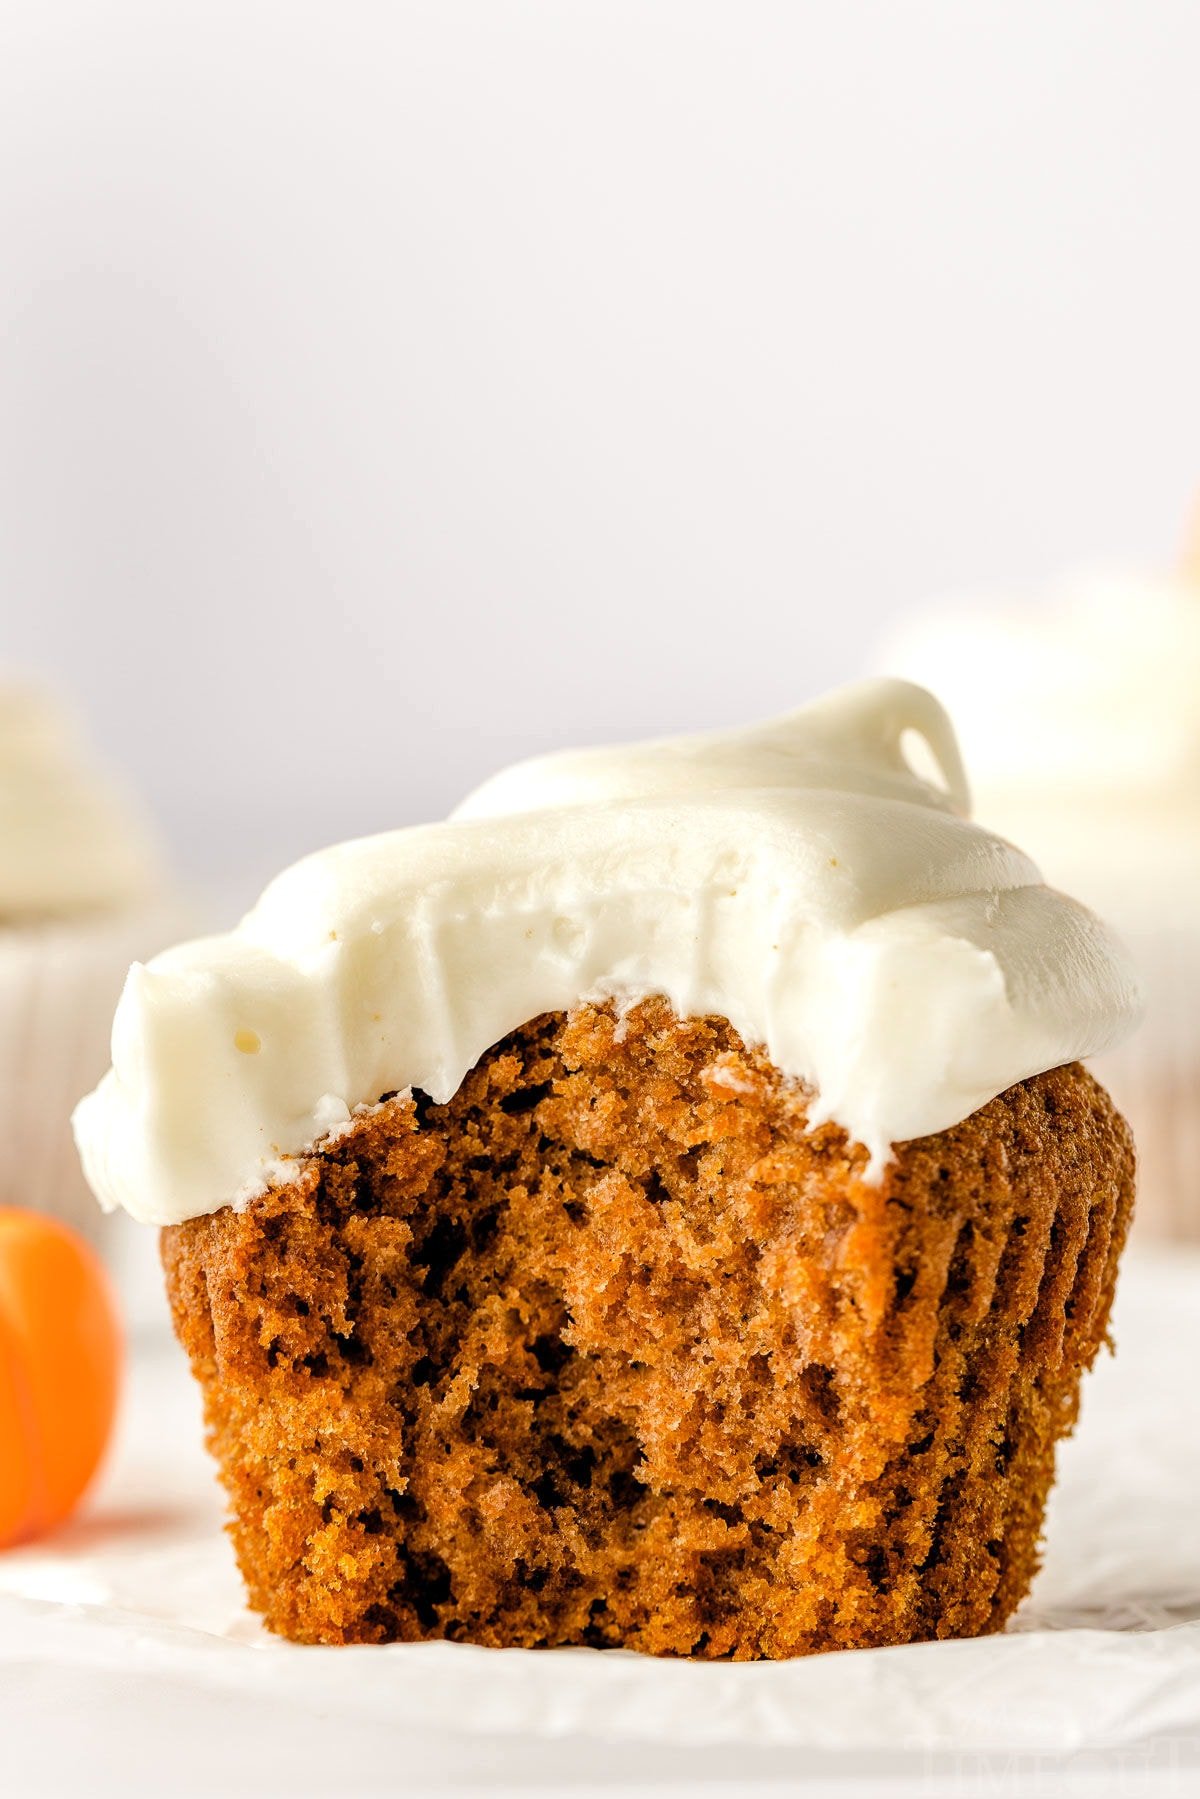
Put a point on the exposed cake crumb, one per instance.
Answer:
(612, 1350)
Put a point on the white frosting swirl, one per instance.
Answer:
(69, 841)
(797, 878)
(1102, 780)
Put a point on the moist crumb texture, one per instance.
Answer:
(612, 1350)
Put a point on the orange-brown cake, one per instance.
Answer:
(614, 1322)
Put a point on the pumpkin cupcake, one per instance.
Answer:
(660, 1207)
(82, 892)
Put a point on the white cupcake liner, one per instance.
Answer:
(1154, 1079)
(59, 985)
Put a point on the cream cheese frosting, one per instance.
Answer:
(70, 841)
(799, 878)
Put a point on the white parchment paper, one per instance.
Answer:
(138, 1602)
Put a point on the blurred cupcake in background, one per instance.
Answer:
(83, 893)
(1078, 715)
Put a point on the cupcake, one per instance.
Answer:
(660, 1207)
(82, 892)
(1079, 724)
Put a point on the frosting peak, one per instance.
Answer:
(853, 741)
(1102, 671)
(801, 878)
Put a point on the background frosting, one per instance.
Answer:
(71, 840)
(1078, 718)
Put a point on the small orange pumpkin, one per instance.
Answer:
(60, 1361)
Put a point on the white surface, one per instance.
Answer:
(389, 390)
(127, 1663)
(797, 878)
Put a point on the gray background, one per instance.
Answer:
(386, 391)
